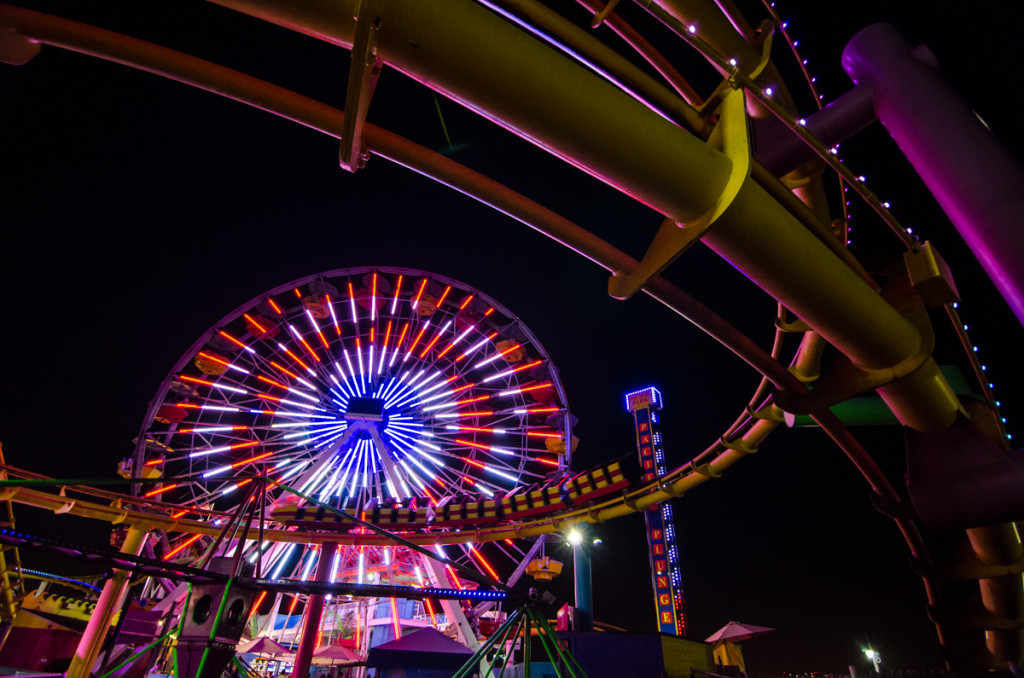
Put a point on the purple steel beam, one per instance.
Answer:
(978, 183)
(781, 151)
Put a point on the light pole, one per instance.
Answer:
(874, 658)
(583, 580)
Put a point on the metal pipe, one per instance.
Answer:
(109, 601)
(780, 151)
(972, 175)
(474, 56)
(521, 84)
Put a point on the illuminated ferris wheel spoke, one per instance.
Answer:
(357, 387)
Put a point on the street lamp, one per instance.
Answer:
(874, 658)
(581, 574)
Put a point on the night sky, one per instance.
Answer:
(136, 212)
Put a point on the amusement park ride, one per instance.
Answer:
(392, 433)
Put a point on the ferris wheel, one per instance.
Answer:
(359, 387)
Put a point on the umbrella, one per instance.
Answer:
(336, 655)
(262, 645)
(425, 648)
(735, 632)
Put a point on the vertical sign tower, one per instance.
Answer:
(661, 534)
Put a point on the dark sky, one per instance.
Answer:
(136, 212)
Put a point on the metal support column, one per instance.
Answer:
(314, 612)
(584, 620)
(110, 601)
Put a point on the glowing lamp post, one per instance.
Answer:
(874, 658)
(583, 580)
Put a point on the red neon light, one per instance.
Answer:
(310, 349)
(423, 286)
(239, 446)
(256, 605)
(255, 324)
(371, 335)
(470, 400)
(296, 358)
(285, 370)
(394, 619)
(275, 306)
(271, 382)
(417, 339)
(467, 443)
(488, 312)
(193, 430)
(256, 458)
(298, 293)
(214, 358)
(461, 388)
(524, 367)
(387, 334)
(232, 339)
(467, 459)
(433, 501)
(268, 397)
(465, 302)
(549, 462)
(322, 340)
(196, 381)
(398, 286)
(154, 462)
(483, 561)
(510, 349)
(540, 410)
(443, 296)
(359, 626)
(430, 609)
(546, 384)
(431, 344)
(455, 580)
(160, 490)
(445, 352)
(475, 413)
(182, 547)
(541, 434)
(373, 294)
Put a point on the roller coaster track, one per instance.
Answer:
(695, 172)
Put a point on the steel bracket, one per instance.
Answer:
(362, 80)
(730, 136)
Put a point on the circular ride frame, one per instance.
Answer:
(697, 172)
(357, 386)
